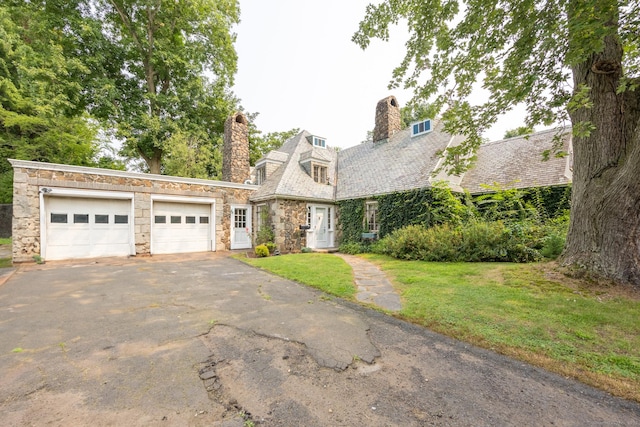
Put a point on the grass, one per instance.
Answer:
(527, 311)
(322, 271)
(5, 262)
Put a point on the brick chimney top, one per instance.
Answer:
(388, 120)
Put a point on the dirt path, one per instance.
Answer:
(213, 342)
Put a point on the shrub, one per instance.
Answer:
(553, 246)
(271, 246)
(306, 250)
(352, 248)
(474, 241)
(262, 251)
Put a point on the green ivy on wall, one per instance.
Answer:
(439, 205)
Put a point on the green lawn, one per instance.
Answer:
(523, 310)
(5, 262)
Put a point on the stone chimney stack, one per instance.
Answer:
(388, 120)
(235, 152)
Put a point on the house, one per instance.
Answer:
(63, 211)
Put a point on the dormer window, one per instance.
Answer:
(320, 174)
(421, 127)
(261, 174)
(319, 142)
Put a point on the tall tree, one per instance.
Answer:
(519, 131)
(576, 60)
(40, 116)
(161, 69)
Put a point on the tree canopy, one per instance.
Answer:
(40, 116)
(574, 61)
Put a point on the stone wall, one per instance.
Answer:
(388, 119)
(26, 199)
(289, 215)
(235, 153)
(6, 212)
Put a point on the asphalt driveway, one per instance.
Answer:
(207, 340)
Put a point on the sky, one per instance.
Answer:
(298, 68)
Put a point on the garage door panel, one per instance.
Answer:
(181, 228)
(86, 228)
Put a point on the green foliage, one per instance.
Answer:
(271, 246)
(519, 131)
(147, 63)
(262, 251)
(351, 219)
(474, 241)
(521, 52)
(41, 113)
(260, 144)
(353, 248)
(265, 235)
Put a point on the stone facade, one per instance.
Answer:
(288, 216)
(29, 177)
(235, 155)
(388, 119)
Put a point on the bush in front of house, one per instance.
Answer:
(262, 251)
(474, 241)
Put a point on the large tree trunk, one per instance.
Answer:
(604, 232)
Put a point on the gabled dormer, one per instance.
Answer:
(267, 165)
(315, 163)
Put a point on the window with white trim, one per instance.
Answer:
(319, 142)
(371, 217)
(261, 175)
(421, 127)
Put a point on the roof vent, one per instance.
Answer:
(421, 127)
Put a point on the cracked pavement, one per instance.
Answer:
(207, 340)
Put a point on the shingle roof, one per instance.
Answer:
(290, 180)
(401, 163)
(518, 163)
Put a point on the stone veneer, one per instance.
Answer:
(388, 119)
(30, 176)
(288, 216)
(235, 153)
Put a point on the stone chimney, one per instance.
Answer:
(388, 120)
(235, 152)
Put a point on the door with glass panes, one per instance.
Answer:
(240, 226)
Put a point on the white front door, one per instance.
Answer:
(320, 235)
(321, 227)
(240, 226)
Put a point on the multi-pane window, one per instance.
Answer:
(319, 142)
(328, 218)
(421, 127)
(371, 217)
(309, 215)
(259, 217)
(240, 218)
(320, 174)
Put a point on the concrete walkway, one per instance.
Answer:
(373, 285)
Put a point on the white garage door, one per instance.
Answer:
(86, 228)
(180, 228)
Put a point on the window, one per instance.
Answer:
(309, 216)
(101, 219)
(328, 218)
(421, 127)
(320, 174)
(240, 218)
(204, 220)
(81, 218)
(176, 219)
(261, 175)
(190, 220)
(121, 219)
(160, 219)
(58, 218)
(371, 217)
(259, 217)
(319, 142)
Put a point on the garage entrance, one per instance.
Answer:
(85, 227)
(182, 226)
